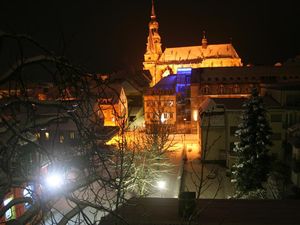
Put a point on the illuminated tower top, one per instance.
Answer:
(153, 16)
(153, 50)
(154, 41)
(204, 40)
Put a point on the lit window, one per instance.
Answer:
(61, 139)
(187, 71)
(72, 135)
(27, 192)
(47, 135)
(9, 212)
(195, 115)
(38, 135)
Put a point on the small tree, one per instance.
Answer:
(253, 163)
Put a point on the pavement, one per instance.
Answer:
(215, 183)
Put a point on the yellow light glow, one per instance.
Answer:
(195, 115)
(47, 135)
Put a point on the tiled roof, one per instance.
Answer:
(198, 53)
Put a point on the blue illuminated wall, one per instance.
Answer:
(183, 81)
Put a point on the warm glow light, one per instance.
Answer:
(195, 115)
(8, 213)
(162, 118)
(161, 184)
(54, 180)
(47, 135)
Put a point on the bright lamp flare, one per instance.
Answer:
(161, 184)
(54, 180)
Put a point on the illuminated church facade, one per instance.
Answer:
(162, 63)
(191, 84)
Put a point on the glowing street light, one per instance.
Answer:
(54, 180)
(161, 185)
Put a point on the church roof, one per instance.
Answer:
(198, 53)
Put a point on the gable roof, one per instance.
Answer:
(197, 53)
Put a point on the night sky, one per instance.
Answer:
(106, 36)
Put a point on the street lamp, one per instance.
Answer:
(54, 180)
(161, 185)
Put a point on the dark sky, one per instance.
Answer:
(108, 35)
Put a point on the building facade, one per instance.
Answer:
(162, 63)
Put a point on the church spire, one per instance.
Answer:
(153, 16)
(153, 50)
(154, 41)
(204, 40)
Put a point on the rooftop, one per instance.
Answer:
(165, 85)
(198, 53)
(237, 103)
(259, 72)
(150, 211)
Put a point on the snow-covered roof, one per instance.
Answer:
(198, 53)
(246, 74)
(110, 94)
(165, 85)
(237, 103)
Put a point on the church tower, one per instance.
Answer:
(153, 51)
